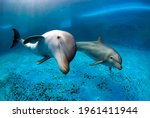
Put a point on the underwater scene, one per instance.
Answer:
(74, 50)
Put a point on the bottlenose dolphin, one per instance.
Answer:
(56, 43)
(101, 53)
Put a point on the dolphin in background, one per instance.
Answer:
(101, 53)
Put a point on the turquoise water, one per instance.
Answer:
(123, 25)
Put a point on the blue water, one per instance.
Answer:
(123, 25)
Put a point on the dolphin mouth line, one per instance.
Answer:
(119, 66)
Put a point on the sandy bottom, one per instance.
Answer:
(22, 79)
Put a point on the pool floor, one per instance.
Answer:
(21, 79)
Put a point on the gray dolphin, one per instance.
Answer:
(56, 43)
(101, 53)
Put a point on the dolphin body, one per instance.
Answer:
(56, 43)
(101, 53)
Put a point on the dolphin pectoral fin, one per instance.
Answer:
(110, 68)
(62, 61)
(33, 39)
(96, 63)
(42, 60)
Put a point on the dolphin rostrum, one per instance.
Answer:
(101, 53)
(56, 43)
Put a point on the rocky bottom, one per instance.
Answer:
(21, 79)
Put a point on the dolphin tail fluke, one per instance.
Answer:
(16, 39)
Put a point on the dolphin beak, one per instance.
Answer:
(119, 66)
(63, 65)
(62, 61)
(65, 69)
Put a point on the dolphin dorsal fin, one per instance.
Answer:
(33, 39)
(99, 39)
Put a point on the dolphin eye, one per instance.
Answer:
(58, 37)
(111, 57)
